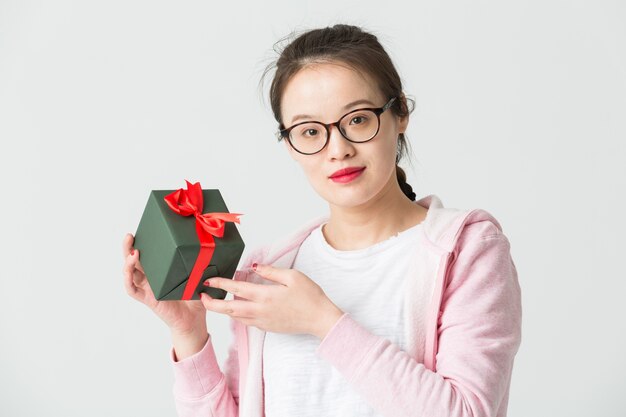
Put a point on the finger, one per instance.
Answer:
(242, 289)
(233, 308)
(129, 251)
(127, 244)
(129, 281)
(134, 257)
(246, 321)
(135, 269)
(274, 273)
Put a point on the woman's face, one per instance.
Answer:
(322, 91)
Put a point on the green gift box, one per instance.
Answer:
(185, 237)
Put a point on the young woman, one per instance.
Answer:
(385, 307)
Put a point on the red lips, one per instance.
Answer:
(346, 171)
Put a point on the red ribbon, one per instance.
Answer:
(190, 202)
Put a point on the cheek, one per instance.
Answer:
(386, 148)
(391, 146)
(312, 172)
(309, 167)
(315, 176)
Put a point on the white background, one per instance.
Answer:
(520, 111)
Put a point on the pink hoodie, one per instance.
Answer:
(459, 361)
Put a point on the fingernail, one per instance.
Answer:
(254, 265)
(207, 283)
(132, 252)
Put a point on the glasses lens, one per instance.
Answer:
(308, 137)
(360, 125)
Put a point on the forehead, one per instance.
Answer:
(324, 91)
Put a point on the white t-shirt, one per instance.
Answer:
(366, 283)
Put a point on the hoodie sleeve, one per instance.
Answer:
(200, 388)
(479, 333)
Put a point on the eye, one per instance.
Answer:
(309, 132)
(360, 119)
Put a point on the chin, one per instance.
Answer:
(345, 198)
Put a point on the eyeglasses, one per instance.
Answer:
(358, 126)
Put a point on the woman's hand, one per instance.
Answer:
(296, 305)
(182, 317)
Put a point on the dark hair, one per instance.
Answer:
(353, 47)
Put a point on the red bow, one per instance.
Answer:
(190, 202)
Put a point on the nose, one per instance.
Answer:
(338, 146)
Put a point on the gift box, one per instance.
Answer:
(185, 237)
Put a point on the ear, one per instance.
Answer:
(403, 122)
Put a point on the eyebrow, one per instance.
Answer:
(346, 107)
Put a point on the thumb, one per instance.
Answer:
(271, 272)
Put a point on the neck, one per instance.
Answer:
(390, 212)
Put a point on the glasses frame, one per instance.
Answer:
(285, 133)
